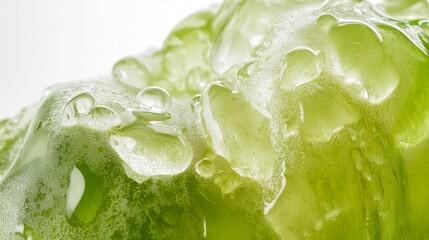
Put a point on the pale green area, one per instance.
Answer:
(257, 119)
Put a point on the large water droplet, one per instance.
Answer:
(196, 103)
(205, 168)
(102, 117)
(78, 106)
(151, 150)
(246, 70)
(155, 99)
(326, 21)
(84, 195)
(302, 65)
(238, 132)
(324, 111)
(228, 181)
(364, 62)
(132, 73)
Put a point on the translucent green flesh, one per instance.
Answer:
(260, 119)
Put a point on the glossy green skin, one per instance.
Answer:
(290, 120)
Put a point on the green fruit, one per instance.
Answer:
(261, 119)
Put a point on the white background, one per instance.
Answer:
(45, 42)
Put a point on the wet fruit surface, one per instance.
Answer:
(257, 119)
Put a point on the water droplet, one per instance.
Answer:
(324, 112)
(196, 103)
(375, 79)
(227, 181)
(326, 21)
(247, 70)
(155, 99)
(302, 65)
(132, 73)
(103, 117)
(238, 132)
(84, 195)
(205, 168)
(152, 150)
(78, 106)
(197, 79)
